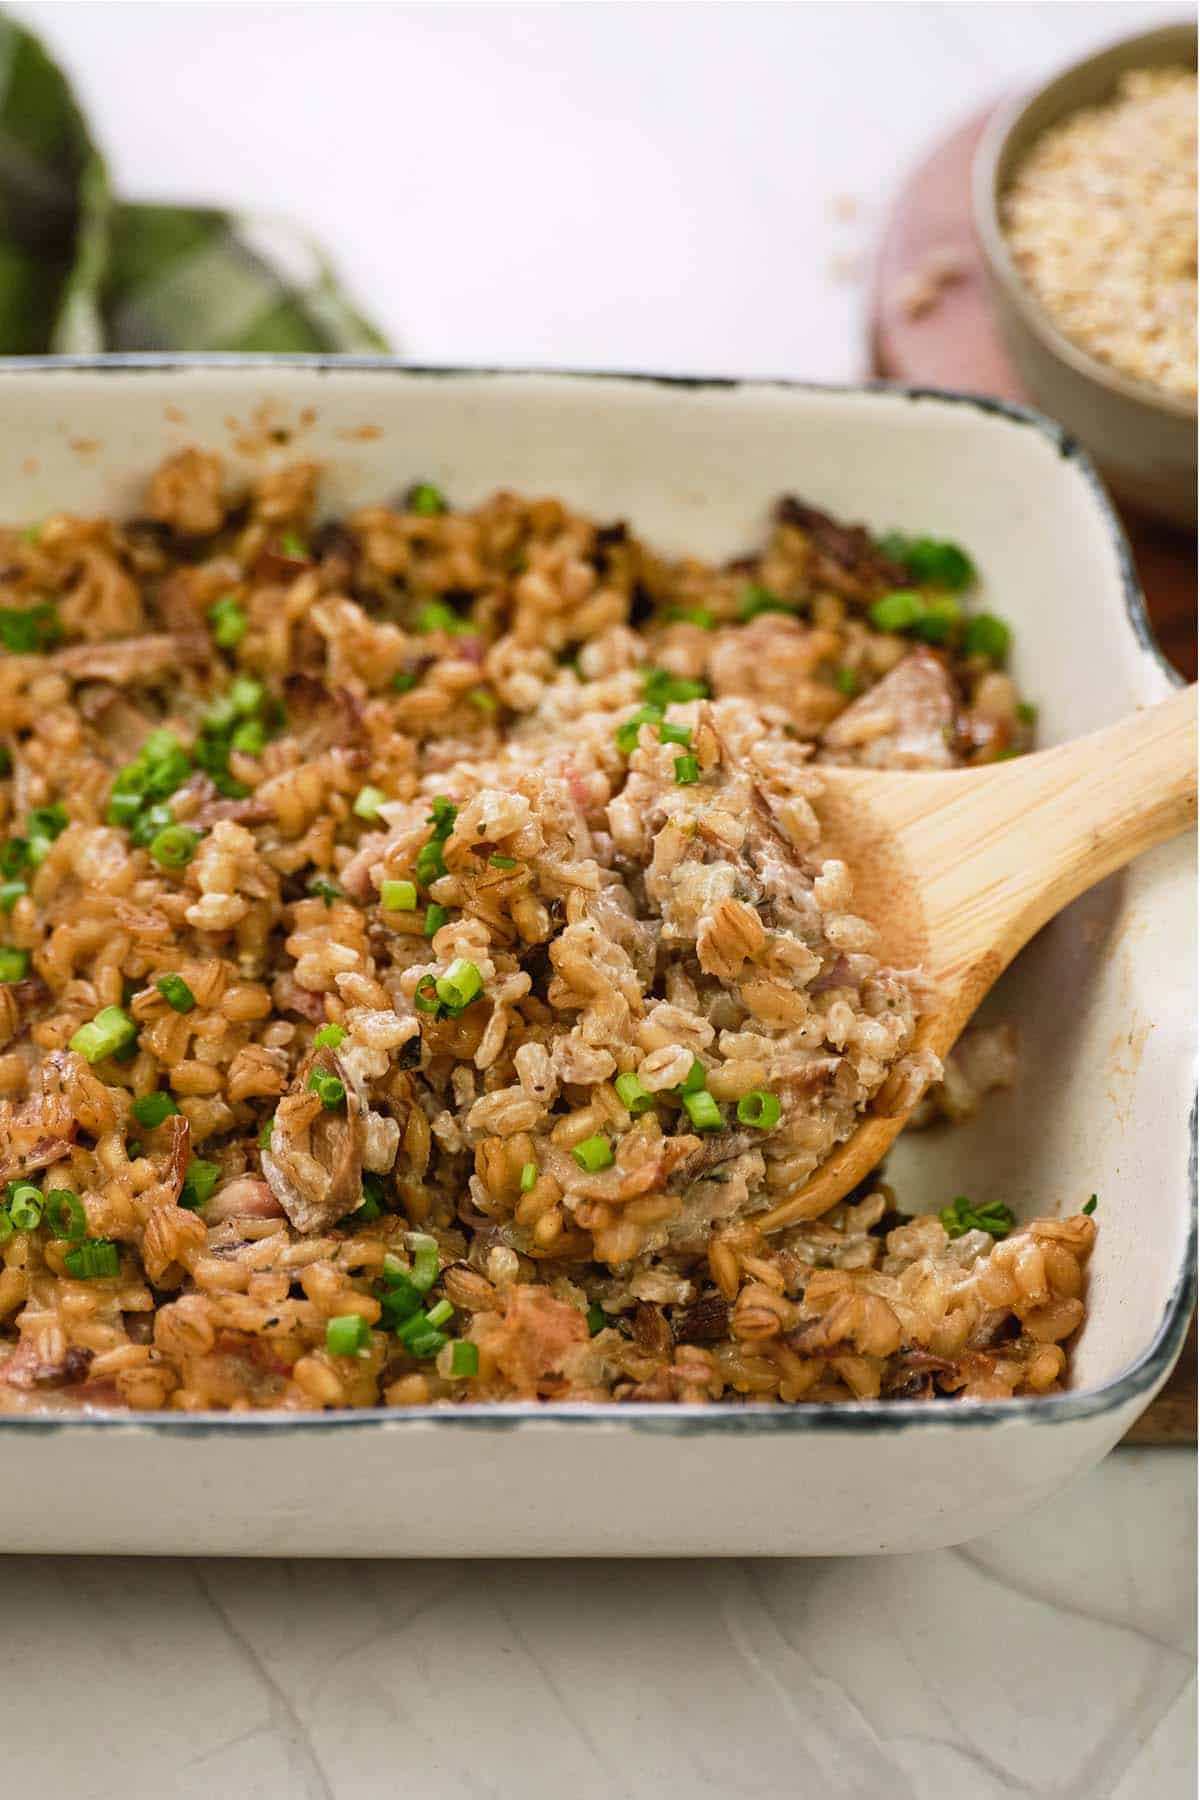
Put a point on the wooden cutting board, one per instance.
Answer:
(953, 343)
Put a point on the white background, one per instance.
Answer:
(640, 186)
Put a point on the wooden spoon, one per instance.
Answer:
(957, 872)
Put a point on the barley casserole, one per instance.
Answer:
(419, 964)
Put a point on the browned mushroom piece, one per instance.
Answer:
(314, 1164)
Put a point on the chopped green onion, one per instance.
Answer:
(898, 611)
(96, 1259)
(265, 1135)
(846, 682)
(250, 738)
(369, 801)
(674, 734)
(594, 1154)
(461, 983)
(25, 630)
(32, 533)
(426, 1261)
(229, 623)
(442, 814)
(1026, 713)
(14, 855)
(464, 1358)
(529, 1175)
(660, 687)
(687, 771)
(438, 1315)
(760, 1109)
(111, 1030)
(758, 599)
(321, 887)
(331, 1035)
(703, 1111)
(43, 825)
(25, 1206)
(626, 735)
(332, 1091)
(484, 699)
(435, 918)
(694, 1080)
(398, 896)
(435, 615)
(176, 992)
(13, 963)
(936, 622)
(987, 636)
(596, 1318)
(174, 846)
(151, 1109)
(503, 862)
(10, 893)
(692, 615)
(1089, 1206)
(425, 998)
(146, 825)
(199, 1182)
(426, 500)
(404, 681)
(347, 1335)
(423, 1344)
(6, 1225)
(430, 865)
(399, 1300)
(960, 1217)
(65, 1215)
(633, 1096)
(930, 560)
(294, 546)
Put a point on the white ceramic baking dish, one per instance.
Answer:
(1104, 997)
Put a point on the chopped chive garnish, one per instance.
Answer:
(898, 611)
(425, 998)
(423, 1344)
(1026, 713)
(110, 1031)
(687, 771)
(95, 1259)
(929, 560)
(633, 1096)
(332, 1092)
(703, 1111)
(594, 1154)
(368, 802)
(426, 1261)
(660, 687)
(331, 1035)
(26, 630)
(65, 1215)
(6, 1225)
(229, 623)
(674, 734)
(398, 1298)
(43, 825)
(464, 1358)
(596, 1318)
(503, 862)
(430, 865)
(960, 1217)
(426, 500)
(403, 681)
(25, 1206)
(264, 1136)
(760, 1109)
(694, 1080)
(846, 682)
(174, 846)
(529, 1175)
(987, 636)
(626, 735)
(347, 1335)
(398, 896)
(293, 545)
(939, 617)
(151, 1109)
(199, 1183)
(484, 699)
(176, 992)
(10, 893)
(250, 738)
(13, 963)
(438, 1315)
(435, 918)
(1089, 1206)
(691, 615)
(435, 615)
(461, 983)
(321, 887)
(758, 599)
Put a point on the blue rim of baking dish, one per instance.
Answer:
(721, 1417)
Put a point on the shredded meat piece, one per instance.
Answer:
(314, 1165)
(129, 660)
(906, 722)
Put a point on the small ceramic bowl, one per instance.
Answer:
(1143, 438)
(1102, 997)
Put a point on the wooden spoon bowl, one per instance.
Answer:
(958, 871)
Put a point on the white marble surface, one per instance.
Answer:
(1054, 1658)
(639, 186)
